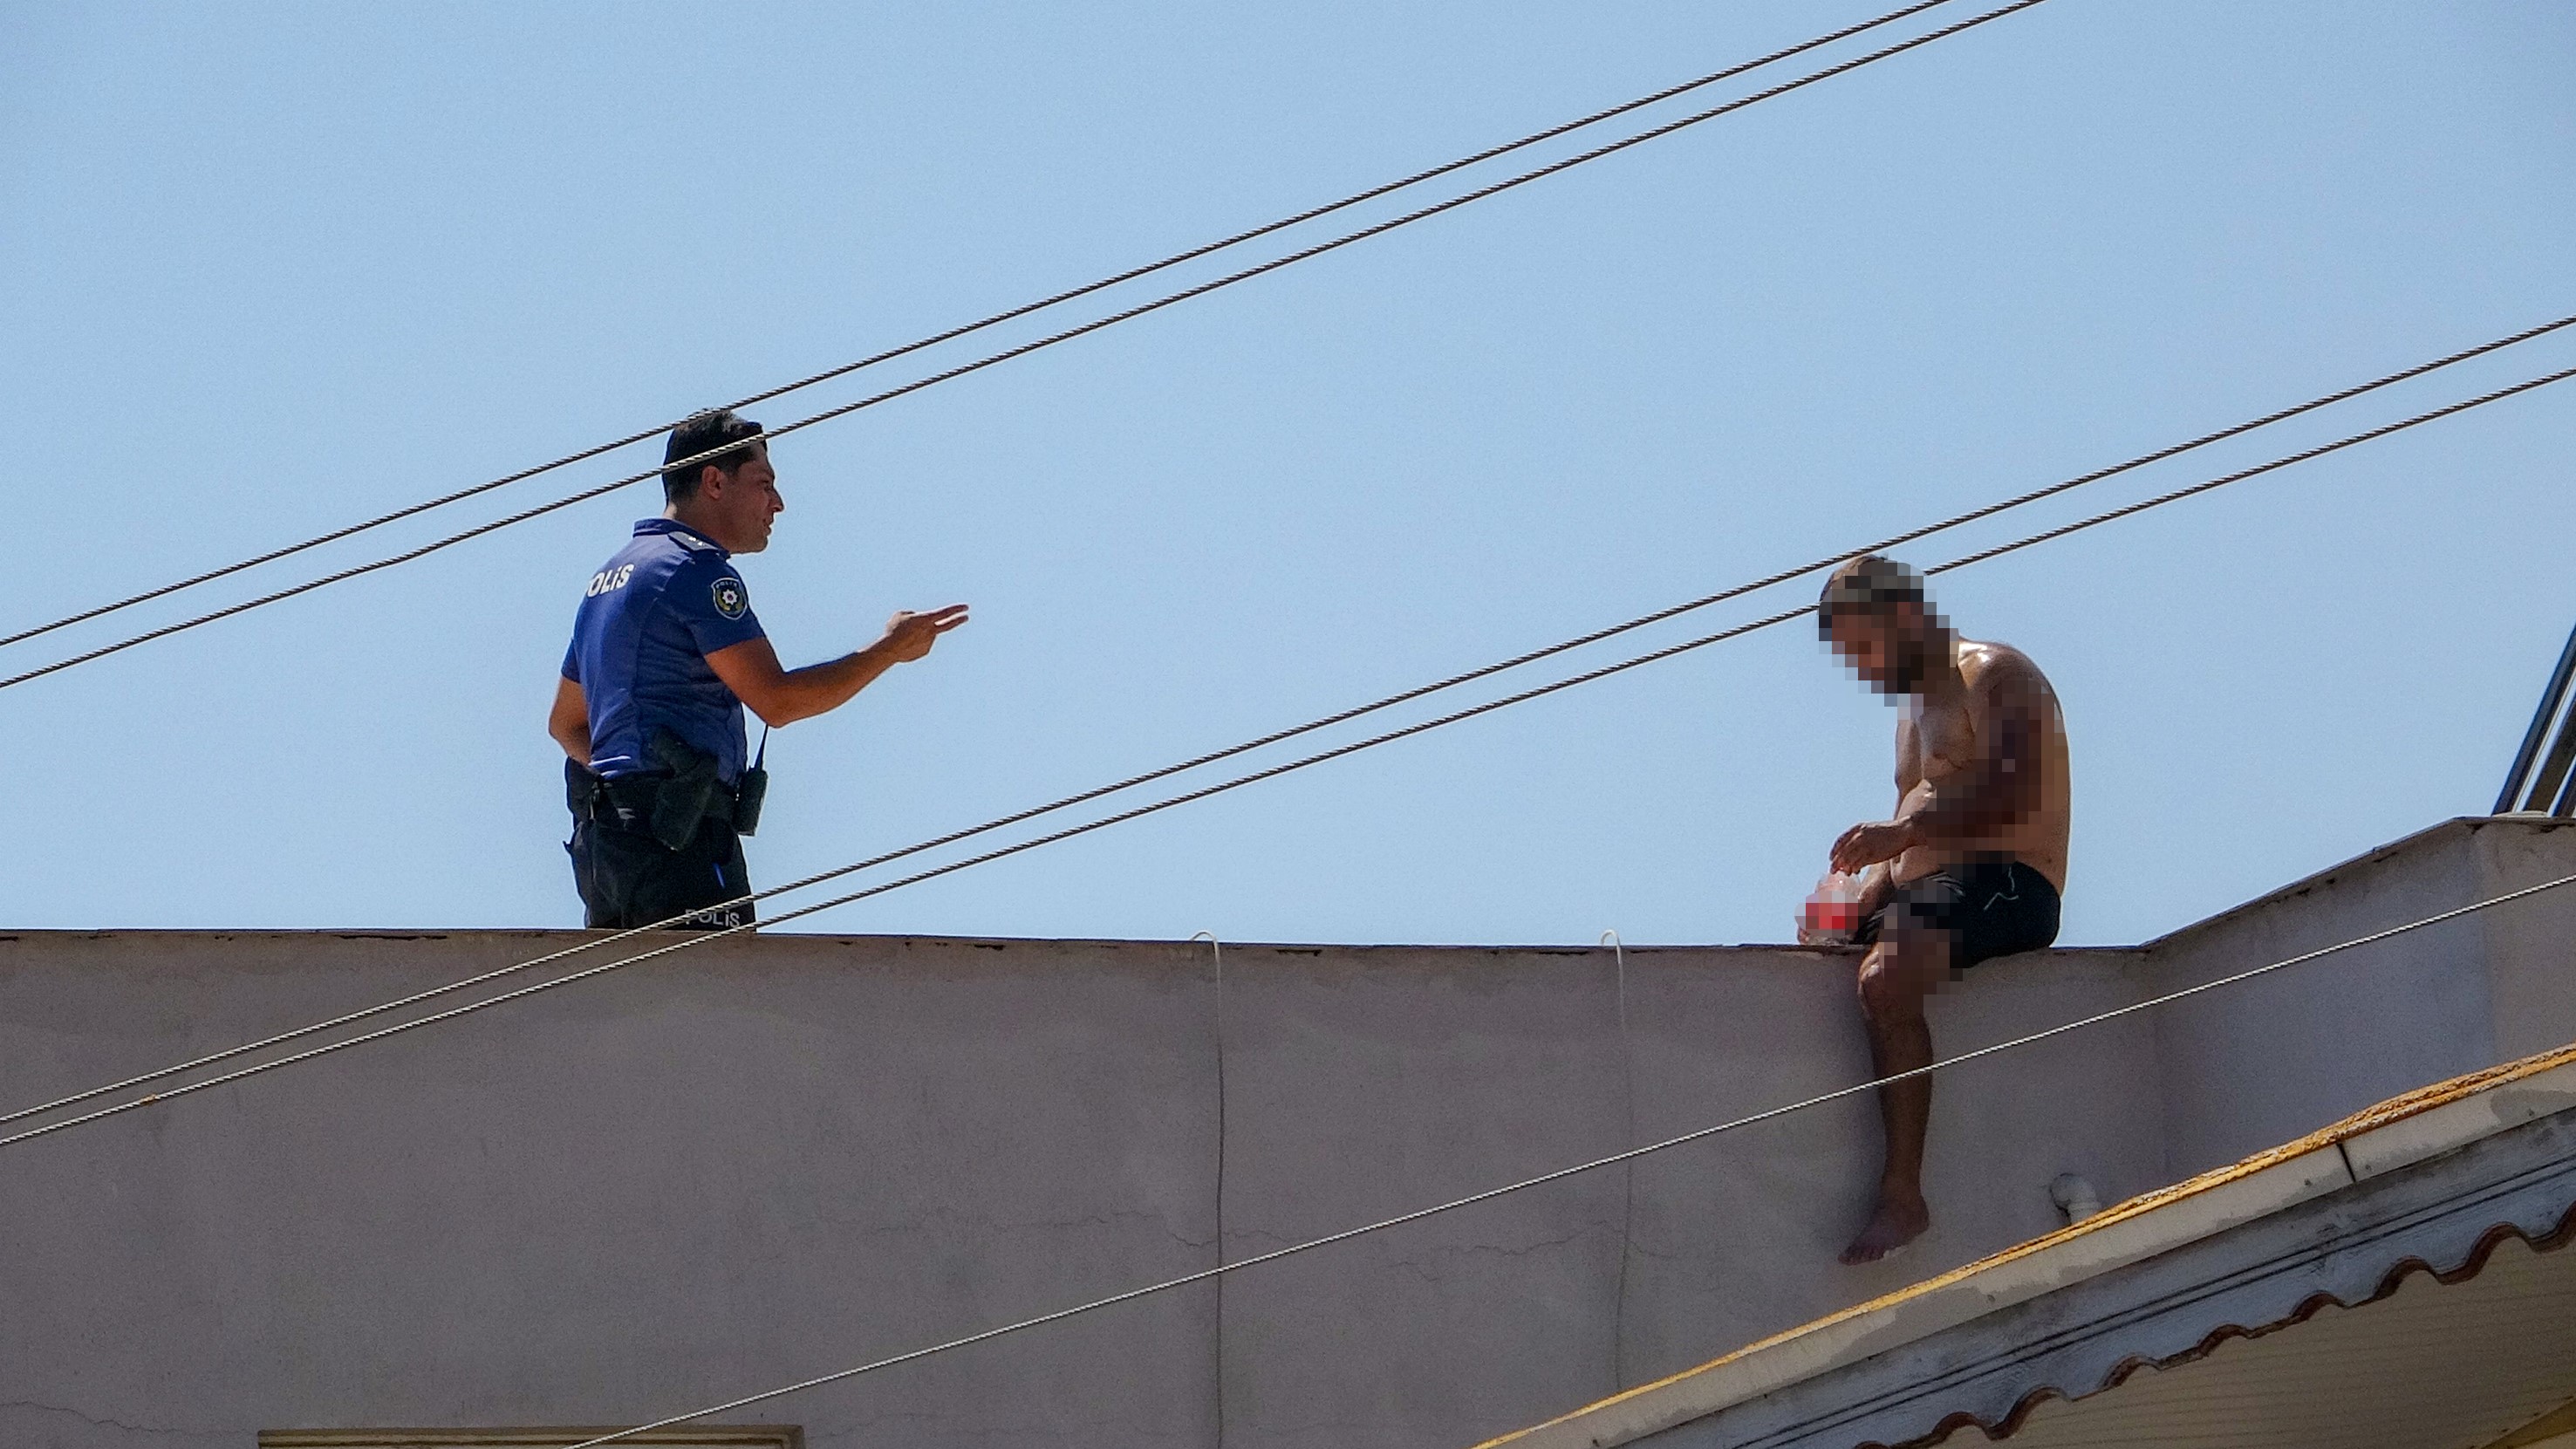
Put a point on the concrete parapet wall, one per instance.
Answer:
(774, 1157)
(2258, 1064)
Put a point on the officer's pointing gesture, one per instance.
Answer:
(908, 636)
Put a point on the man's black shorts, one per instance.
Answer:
(1988, 908)
(628, 879)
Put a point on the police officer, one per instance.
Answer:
(665, 653)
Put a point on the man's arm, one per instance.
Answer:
(783, 696)
(1877, 887)
(569, 720)
(2001, 788)
(1878, 881)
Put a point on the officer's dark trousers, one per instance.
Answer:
(627, 878)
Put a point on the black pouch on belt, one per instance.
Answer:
(682, 800)
(581, 788)
(753, 789)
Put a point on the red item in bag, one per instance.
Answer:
(1833, 910)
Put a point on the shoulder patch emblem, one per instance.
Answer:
(732, 600)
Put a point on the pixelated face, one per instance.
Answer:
(746, 503)
(1889, 650)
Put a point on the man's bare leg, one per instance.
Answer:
(1895, 978)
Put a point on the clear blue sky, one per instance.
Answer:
(265, 269)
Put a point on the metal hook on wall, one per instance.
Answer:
(1628, 1194)
(1216, 955)
(1619, 954)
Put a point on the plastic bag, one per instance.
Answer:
(1832, 912)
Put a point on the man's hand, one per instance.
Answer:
(908, 636)
(1867, 844)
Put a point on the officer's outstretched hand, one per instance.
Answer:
(908, 635)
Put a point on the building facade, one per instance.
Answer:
(780, 1156)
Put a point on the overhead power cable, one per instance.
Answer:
(1344, 716)
(1023, 349)
(695, 939)
(996, 319)
(1561, 1174)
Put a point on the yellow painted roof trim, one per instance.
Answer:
(2379, 1139)
(2557, 1424)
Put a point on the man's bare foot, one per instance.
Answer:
(1897, 1222)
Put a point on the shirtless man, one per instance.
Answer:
(1970, 867)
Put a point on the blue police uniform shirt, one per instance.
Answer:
(648, 621)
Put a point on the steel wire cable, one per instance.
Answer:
(1221, 787)
(997, 318)
(1023, 349)
(1327, 721)
(1562, 1173)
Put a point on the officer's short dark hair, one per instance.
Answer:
(1869, 584)
(704, 432)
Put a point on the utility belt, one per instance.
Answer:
(670, 801)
